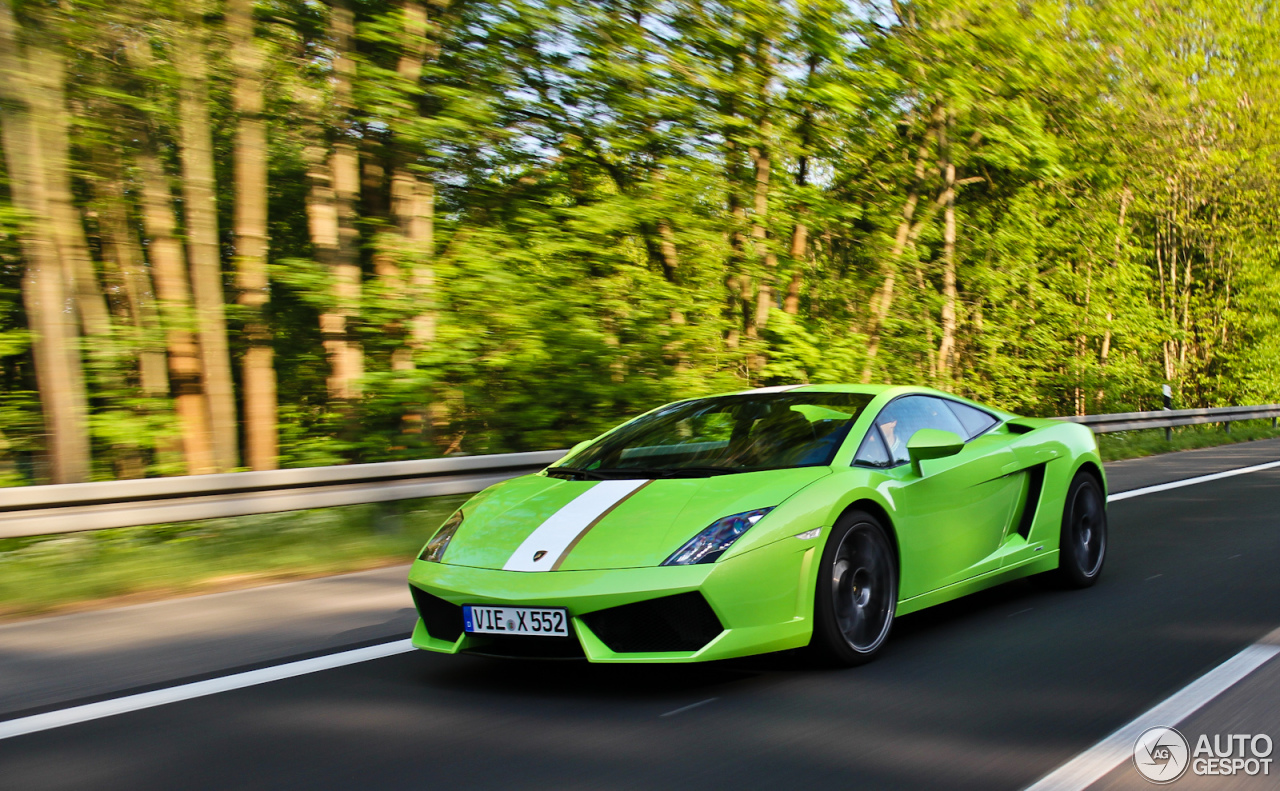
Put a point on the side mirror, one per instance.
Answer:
(932, 443)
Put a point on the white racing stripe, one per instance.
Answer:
(145, 700)
(1164, 487)
(1095, 763)
(561, 530)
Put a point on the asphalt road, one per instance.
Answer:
(990, 692)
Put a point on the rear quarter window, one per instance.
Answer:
(974, 420)
(872, 452)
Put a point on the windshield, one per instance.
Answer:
(724, 434)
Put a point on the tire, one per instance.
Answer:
(1082, 547)
(857, 591)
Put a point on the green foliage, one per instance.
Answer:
(635, 202)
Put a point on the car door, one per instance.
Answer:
(953, 518)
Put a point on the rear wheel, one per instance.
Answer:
(857, 591)
(1083, 546)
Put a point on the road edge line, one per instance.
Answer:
(1164, 487)
(198, 689)
(1095, 763)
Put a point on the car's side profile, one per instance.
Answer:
(760, 521)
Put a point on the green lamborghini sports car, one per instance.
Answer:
(760, 521)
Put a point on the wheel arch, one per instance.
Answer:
(879, 512)
(1093, 469)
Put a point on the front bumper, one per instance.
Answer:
(763, 600)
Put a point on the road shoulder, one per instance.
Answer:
(57, 660)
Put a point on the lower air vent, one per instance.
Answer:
(442, 619)
(521, 647)
(684, 622)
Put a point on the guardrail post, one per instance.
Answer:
(1167, 392)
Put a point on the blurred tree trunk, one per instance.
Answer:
(760, 231)
(201, 212)
(882, 300)
(412, 196)
(799, 249)
(259, 376)
(27, 133)
(137, 343)
(947, 346)
(91, 304)
(169, 266)
(334, 178)
(122, 253)
(764, 63)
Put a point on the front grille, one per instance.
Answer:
(684, 622)
(442, 619)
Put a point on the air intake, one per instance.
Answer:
(442, 619)
(684, 622)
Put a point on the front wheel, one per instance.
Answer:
(857, 591)
(1083, 545)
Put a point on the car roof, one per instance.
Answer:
(868, 389)
(872, 390)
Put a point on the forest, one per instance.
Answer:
(249, 234)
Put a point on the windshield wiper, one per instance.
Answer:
(575, 474)
(619, 473)
(671, 472)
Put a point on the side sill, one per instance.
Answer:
(1046, 561)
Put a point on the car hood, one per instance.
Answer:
(540, 523)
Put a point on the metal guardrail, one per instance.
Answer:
(1169, 418)
(78, 507)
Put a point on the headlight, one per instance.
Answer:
(712, 542)
(434, 550)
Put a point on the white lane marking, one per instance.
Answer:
(690, 706)
(552, 537)
(1164, 487)
(1093, 764)
(159, 697)
(198, 689)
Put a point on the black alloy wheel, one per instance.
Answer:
(1083, 546)
(857, 591)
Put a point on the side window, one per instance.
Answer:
(872, 452)
(900, 421)
(975, 421)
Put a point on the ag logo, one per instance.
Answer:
(1161, 755)
(539, 555)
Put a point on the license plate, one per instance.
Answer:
(529, 621)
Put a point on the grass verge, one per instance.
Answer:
(50, 573)
(1149, 442)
